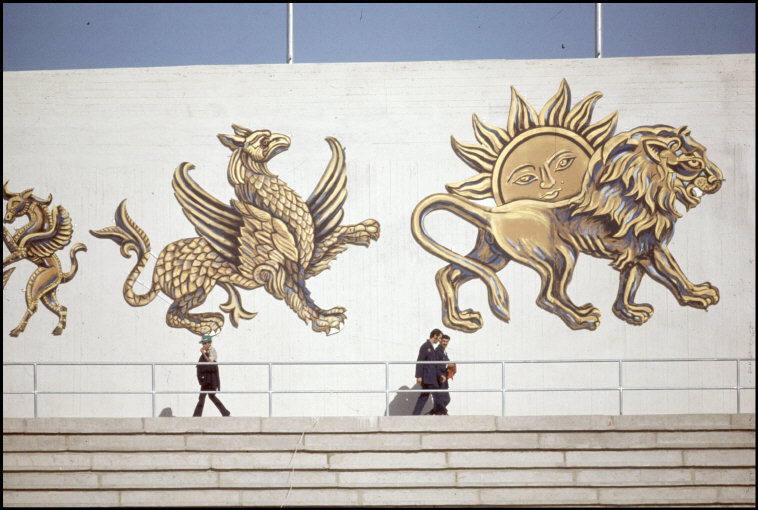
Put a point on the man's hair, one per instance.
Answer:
(434, 333)
(445, 337)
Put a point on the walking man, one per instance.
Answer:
(428, 375)
(445, 371)
(208, 377)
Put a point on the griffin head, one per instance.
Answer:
(260, 145)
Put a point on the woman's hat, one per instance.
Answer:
(205, 339)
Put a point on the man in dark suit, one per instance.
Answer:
(444, 398)
(428, 375)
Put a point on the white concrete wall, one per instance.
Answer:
(95, 137)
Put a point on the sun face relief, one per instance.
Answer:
(539, 156)
(545, 164)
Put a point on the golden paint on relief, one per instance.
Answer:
(564, 186)
(268, 237)
(48, 231)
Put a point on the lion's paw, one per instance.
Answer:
(467, 320)
(586, 308)
(701, 296)
(635, 314)
(590, 321)
(708, 292)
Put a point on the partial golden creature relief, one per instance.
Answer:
(268, 237)
(48, 231)
(563, 186)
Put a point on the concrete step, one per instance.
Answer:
(139, 461)
(402, 442)
(406, 478)
(392, 461)
(437, 496)
(341, 424)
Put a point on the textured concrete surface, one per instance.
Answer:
(396, 461)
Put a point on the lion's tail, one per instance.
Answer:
(130, 238)
(66, 277)
(477, 216)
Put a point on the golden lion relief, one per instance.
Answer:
(48, 231)
(564, 187)
(268, 238)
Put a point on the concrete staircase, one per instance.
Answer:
(657, 460)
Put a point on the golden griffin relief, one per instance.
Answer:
(268, 237)
(48, 231)
(564, 186)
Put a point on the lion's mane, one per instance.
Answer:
(627, 186)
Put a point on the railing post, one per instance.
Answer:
(502, 385)
(621, 390)
(386, 388)
(738, 386)
(270, 385)
(35, 390)
(152, 367)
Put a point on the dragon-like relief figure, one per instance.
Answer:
(563, 186)
(269, 237)
(48, 231)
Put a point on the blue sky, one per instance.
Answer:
(81, 36)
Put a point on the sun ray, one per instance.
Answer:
(555, 110)
(478, 158)
(579, 117)
(494, 137)
(477, 187)
(521, 116)
(598, 134)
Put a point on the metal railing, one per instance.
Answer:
(503, 389)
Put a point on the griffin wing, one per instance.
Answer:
(214, 221)
(326, 201)
(265, 243)
(56, 236)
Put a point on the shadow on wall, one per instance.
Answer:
(403, 403)
(166, 413)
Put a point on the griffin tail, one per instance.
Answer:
(130, 238)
